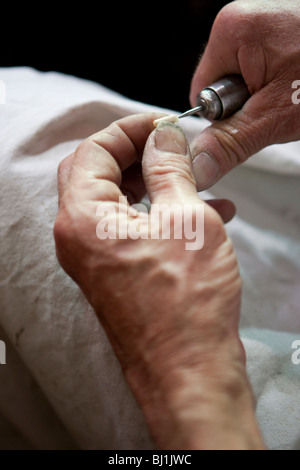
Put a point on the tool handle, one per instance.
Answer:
(223, 98)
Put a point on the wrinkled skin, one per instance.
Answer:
(261, 42)
(170, 313)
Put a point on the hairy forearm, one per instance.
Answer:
(201, 404)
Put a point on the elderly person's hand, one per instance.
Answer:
(171, 313)
(260, 41)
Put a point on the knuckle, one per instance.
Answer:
(214, 221)
(60, 229)
(83, 146)
(243, 19)
(230, 14)
(214, 227)
(62, 165)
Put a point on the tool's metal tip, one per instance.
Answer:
(192, 111)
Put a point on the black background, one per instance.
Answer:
(147, 51)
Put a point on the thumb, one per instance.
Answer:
(167, 166)
(226, 144)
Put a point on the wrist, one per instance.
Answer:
(197, 404)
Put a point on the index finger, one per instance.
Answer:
(99, 160)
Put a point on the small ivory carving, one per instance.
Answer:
(170, 118)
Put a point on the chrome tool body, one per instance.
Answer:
(221, 99)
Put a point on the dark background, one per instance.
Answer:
(147, 51)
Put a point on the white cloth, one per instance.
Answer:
(62, 386)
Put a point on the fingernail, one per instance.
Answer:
(206, 170)
(170, 138)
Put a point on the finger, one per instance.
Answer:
(226, 144)
(133, 186)
(167, 166)
(234, 50)
(268, 117)
(99, 161)
(225, 208)
(63, 174)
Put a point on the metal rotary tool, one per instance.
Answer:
(221, 99)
